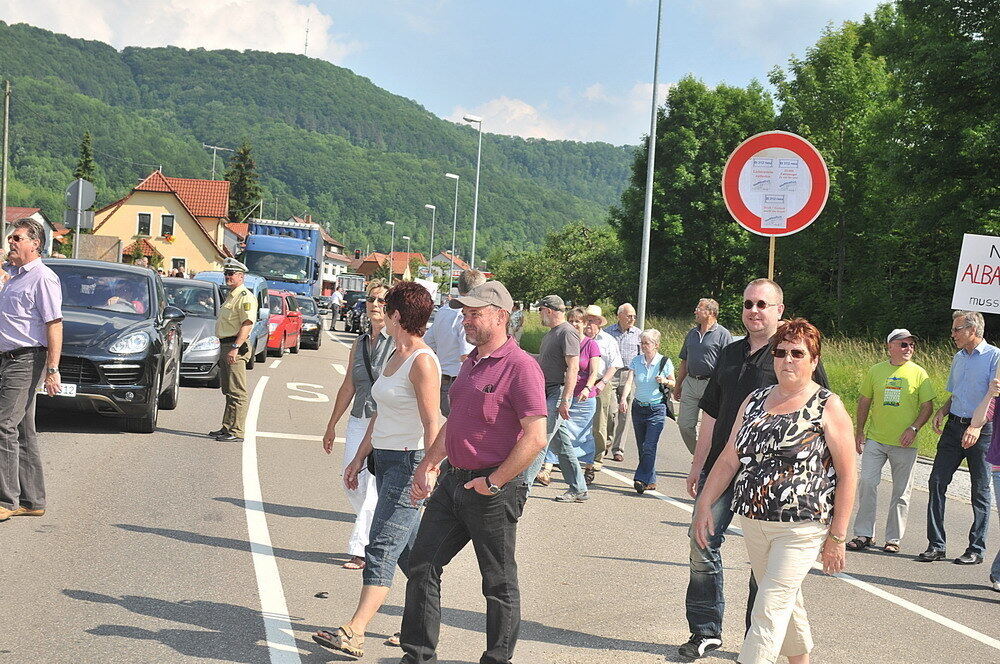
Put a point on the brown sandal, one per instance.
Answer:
(356, 562)
(343, 639)
(860, 543)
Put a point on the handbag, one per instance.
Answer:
(665, 391)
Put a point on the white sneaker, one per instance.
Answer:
(994, 584)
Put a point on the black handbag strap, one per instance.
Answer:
(368, 360)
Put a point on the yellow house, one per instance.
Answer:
(180, 221)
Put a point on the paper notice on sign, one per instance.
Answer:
(774, 211)
(789, 174)
(762, 174)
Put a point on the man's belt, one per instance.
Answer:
(961, 420)
(699, 377)
(11, 354)
(227, 340)
(466, 475)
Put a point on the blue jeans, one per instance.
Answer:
(580, 427)
(395, 520)
(648, 424)
(561, 444)
(949, 456)
(705, 601)
(995, 571)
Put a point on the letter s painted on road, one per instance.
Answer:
(316, 397)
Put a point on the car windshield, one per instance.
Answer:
(274, 303)
(87, 287)
(282, 267)
(306, 305)
(193, 299)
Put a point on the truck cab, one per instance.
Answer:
(288, 254)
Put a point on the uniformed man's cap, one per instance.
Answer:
(233, 265)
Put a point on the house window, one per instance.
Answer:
(166, 224)
(179, 263)
(145, 220)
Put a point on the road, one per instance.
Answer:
(172, 547)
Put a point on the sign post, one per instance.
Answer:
(775, 184)
(80, 195)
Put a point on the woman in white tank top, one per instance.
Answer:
(408, 398)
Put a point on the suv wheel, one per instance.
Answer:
(168, 400)
(146, 423)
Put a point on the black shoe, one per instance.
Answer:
(639, 487)
(930, 555)
(229, 438)
(968, 558)
(221, 432)
(698, 645)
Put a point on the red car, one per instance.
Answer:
(285, 325)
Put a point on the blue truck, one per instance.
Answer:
(288, 254)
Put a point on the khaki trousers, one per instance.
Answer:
(692, 390)
(621, 420)
(234, 387)
(604, 423)
(781, 554)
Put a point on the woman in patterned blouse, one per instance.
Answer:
(793, 448)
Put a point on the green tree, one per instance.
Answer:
(244, 187)
(85, 166)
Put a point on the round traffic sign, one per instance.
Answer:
(775, 183)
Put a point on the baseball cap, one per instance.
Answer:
(553, 302)
(489, 293)
(899, 333)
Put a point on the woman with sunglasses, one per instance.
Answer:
(368, 356)
(407, 408)
(793, 448)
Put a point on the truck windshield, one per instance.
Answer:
(280, 267)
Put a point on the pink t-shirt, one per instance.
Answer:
(489, 398)
(588, 351)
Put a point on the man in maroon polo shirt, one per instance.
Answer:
(496, 429)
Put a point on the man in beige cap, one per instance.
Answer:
(607, 402)
(236, 319)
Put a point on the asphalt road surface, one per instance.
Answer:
(172, 547)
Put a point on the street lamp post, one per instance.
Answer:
(475, 119)
(647, 212)
(407, 238)
(215, 149)
(454, 226)
(430, 256)
(392, 245)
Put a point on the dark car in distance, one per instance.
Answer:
(121, 353)
(312, 322)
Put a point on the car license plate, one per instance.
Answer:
(65, 390)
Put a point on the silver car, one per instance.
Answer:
(200, 300)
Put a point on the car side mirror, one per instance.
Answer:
(172, 313)
(263, 313)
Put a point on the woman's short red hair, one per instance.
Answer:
(414, 304)
(799, 328)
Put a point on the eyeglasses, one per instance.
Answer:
(960, 328)
(371, 299)
(907, 344)
(760, 304)
(17, 238)
(796, 353)
(230, 273)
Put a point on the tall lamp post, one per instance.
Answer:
(430, 256)
(454, 226)
(475, 119)
(407, 238)
(647, 212)
(392, 245)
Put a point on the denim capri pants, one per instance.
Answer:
(395, 521)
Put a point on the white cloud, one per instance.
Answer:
(593, 114)
(265, 25)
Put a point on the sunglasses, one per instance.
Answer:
(371, 299)
(907, 344)
(760, 304)
(781, 353)
(17, 238)
(230, 273)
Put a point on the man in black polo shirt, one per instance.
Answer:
(743, 366)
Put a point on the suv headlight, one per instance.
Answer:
(205, 343)
(132, 343)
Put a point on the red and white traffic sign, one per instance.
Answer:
(775, 183)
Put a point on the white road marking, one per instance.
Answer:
(338, 339)
(275, 364)
(317, 397)
(295, 436)
(340, 368)
(847, 578)
(277, 625)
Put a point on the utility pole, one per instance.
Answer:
(647, 212)
(214, 149)
(3, 176)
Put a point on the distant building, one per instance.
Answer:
(54, 230)
(179, 221)
(401, 260)
(457, 264)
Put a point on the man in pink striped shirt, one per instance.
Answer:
(495, 430)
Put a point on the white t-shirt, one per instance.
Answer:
(398, 425)
(447, 338)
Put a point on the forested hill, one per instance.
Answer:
(326, 140)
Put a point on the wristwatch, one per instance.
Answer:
(235, 346)
(913, 429)
(52, 370)
(494, 489)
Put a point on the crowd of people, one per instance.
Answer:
(770, 442)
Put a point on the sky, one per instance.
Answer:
(556, 69)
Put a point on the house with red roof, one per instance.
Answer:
(176, 222)
(400, 264)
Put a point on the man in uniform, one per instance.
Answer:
(236, 319)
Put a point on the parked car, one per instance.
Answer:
(350, 299)
(258, 286)
(200, 302)
(325, 304)
(121, 352)
(285, 324)
(312, 322)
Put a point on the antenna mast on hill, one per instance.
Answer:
(305, 51)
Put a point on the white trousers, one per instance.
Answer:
(363, 498)
(902, 461)
(781, 554)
